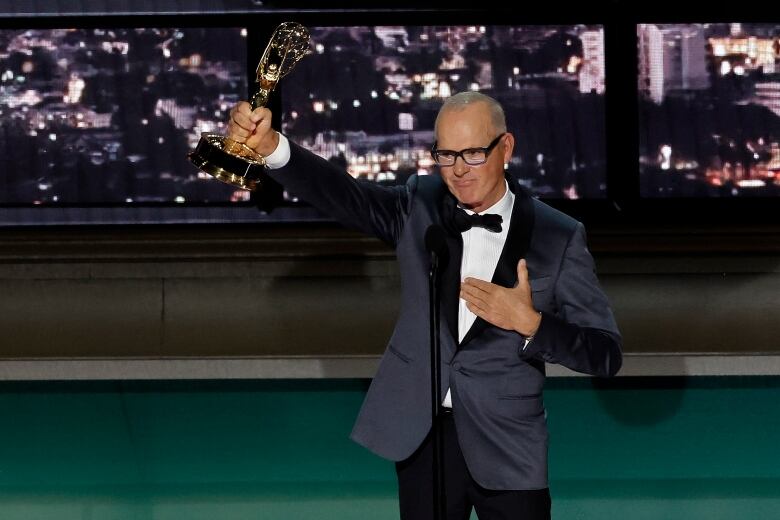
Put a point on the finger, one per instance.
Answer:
(260, 114)
(522, 273)
(261, 136)
(242, 108)
(263, 124)
(243, 121)
(474, 294)
(477, 310)
(480, 284)
(469, 299)
(238, 133)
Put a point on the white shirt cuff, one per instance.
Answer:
(280, 156)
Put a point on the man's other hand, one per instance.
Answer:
(510, 309)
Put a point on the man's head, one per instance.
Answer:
(473, 120)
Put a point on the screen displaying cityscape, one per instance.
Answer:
(92, 116)
(709, 110)
(367, 98)
(107, 116)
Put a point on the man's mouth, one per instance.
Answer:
(463, 183)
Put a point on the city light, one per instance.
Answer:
(573, 65)
(666, 157)
(75, 89)
(405, 121)
(751, 183)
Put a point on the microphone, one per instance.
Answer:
(436, 245)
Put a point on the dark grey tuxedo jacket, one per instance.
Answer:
(496, 385)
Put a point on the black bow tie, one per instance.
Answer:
(464, 221)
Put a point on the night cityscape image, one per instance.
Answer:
(709, 110)
(367, 97)
(107, 116)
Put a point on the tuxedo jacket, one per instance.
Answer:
(496, 385)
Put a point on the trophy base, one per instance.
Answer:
(229, 161)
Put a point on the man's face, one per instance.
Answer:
(476, 187)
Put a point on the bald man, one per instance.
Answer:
(519, 290)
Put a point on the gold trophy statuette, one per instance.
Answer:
(235, 163)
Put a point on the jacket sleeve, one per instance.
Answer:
(374, 209)
(581, 334)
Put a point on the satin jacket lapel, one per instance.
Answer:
(516, 246)
(450, 282)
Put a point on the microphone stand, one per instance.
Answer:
(439, 497)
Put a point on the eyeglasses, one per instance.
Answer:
(471, 156)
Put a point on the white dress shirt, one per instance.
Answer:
(481, 251)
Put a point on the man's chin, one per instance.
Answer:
(467, 200)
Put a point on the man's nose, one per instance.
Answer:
(460, 168)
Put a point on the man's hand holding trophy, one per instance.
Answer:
(238, 163)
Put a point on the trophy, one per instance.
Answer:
(235, 163)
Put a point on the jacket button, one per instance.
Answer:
(456, 366)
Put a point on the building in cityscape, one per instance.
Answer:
(671, 58)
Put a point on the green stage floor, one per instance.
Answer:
(649, 448)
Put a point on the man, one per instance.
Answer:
(517, 293)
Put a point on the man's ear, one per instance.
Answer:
(509, 146)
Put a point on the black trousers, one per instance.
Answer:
(415, 487)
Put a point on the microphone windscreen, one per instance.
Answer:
(436, 240)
